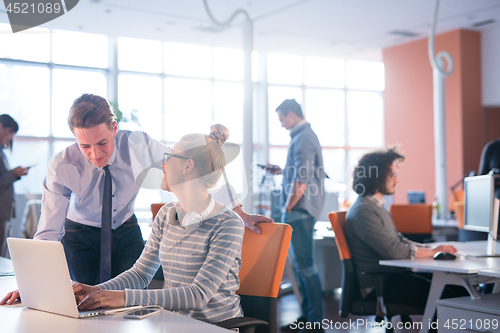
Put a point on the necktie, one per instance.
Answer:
(106, 228)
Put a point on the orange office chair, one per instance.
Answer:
(263, 260)
(413, 220)
(350, 298)
(458, 207)
(155, 207)
(458, 195)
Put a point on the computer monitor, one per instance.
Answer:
(481, 207)
(416, 196)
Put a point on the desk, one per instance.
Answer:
(464, 314)
(490, 272)
(471, 315)
(18, 319)
(326, 257)
(462, 272)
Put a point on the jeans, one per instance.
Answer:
(82, 245)
(303, 260)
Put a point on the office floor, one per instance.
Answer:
(289, 310)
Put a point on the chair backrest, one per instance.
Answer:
(31, 215)
(155, 207)
(458, 208)
(457, 195)
(412, 218)
(349, 284)
(263, 260)
(337, 219)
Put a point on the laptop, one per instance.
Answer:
(43, 278)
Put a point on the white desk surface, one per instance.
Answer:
(18, 319)
(444, 222)
(490, 272)
(464, 272)
(489, 303)
(322, 230)
(462, 265)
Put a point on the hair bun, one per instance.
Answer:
(219, 133)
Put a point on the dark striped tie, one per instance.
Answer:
(106, 228)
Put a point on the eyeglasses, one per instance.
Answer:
(169, 155)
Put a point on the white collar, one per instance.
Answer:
(376, 200)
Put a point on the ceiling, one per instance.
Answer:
(355, 29)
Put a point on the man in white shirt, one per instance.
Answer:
(73, 191)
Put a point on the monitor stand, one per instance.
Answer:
(492, 234)
(492, 245)
(490, 250)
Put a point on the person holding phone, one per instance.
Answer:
(196, 240)
(302, 200)
(8, 128)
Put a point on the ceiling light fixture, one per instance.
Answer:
(404, 33)
(480, 24)
(212, 27)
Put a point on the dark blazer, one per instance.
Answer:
(7, 179)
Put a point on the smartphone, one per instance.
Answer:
(141, 313)
(269, 168)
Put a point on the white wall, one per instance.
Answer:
(490, 63)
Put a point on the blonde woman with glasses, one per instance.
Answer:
(196, 240)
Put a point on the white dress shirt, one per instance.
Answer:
(73, 186)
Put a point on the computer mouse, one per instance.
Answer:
(444, 256)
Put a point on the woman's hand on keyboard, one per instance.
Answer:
(103, 299)
(82, 290)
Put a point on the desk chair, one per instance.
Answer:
(350, 298)
(263, 259)
(457, 196)
(155, 208)
(414, 221)
(458, 208)
(31, 215)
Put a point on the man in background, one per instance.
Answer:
(372, 235)
(8, 128)
(302, 201)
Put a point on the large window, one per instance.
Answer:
(41, 73)
(164, 89)
(171, 89)
(68, 84)
(25, 95)
(343, 102)
(141, 95)
(182, 89)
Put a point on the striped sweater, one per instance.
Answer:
(200, 267)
